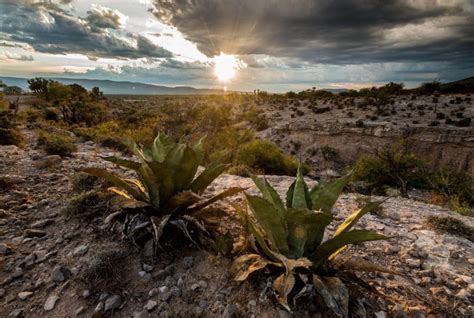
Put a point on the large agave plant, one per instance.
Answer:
(291, 237)
(167, 188)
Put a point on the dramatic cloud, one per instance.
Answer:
(100, 17)
(48, 28)
(331, 32)
(5, 55)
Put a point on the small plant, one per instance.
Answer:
(56, 144)
(460, 206)
(84, 182)
(452, 226)
(290, 238)
(167, 190)
(88, 205)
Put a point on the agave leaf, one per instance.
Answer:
(117, 181)
(305, 230)
(119, 192)
(227, 193)
(270, 194)
(206, 177)
(245, 265)
(290, 263)
(162, 145)
(186, 170)
(289, 195)
(283, 285)
(299, 193)
(273, 224)
(183, 200)
(257, 233)
(224, 243)
(161, 176)
(159, 225)
(151, 184)
(138, 184)
(334, 245)
(199, 149)
(129, 164)
(324, 195)
(138, 151)
(351, 220)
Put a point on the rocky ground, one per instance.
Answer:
(56, 265)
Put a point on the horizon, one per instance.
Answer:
(242, 46)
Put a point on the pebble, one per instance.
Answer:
(42, 223)
(24, 295)
(140, 314)
(80, 250)
(113, 302)
(57, 274)
(50, 302)
(33, 233)
(17, 273)
(80, 310)
(99, 307)
(147, 268)
(2, 292)
(17, 313)
(188, 262)
(150, 305)
(413, 262)
(463, 294)
(4, 249)
(86, 293)
(163, 289)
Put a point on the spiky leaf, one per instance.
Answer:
(299, 193)
(269, 194)
(351, 220)
(324, 195)
(206, 177)
(333, 245)
(272, 223)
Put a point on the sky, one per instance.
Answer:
(269, 45)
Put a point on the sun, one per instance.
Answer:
(225, 67)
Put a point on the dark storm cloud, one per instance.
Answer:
(330, 32)
(47, 28)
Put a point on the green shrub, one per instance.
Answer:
(395, 166)
(452, 182)
(452, 226)
(11, 136)
(84, 182)
(51, 114)
(266, 157)
(56, 143)
(88, 205)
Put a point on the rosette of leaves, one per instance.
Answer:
(167, 189)
(290, 238)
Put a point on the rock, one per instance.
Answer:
(80, 250)
(381, 314)
(150, 305)
(33, 233)
(17, 313)
(147, 268)
(471, 261)
(79, 310)
(57, 274)
(153, 292)
(50, 302)
(48, 161)
(113, 302)
(42, 223)
(163, 289)
(416, 263)
(230, 311)
(188, 262)
(140, 314)
(86, 293)
(17, 273)
(99, 307)
(24, 295)
(2, 292)
(5, 249)
(463, 294)
(195, 286)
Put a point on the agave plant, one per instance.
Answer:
(291, 237)
(167, 188)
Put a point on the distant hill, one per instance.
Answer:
(462, 86)
(118, 88)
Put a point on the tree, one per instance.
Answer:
(39, 85)
(12, 90)
(96, 94)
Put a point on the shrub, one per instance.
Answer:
(452, 226)
(289, 239)
(452, 182)
(88, 205)
(11, 136)
(56, 143)
(266, 157)
(84, 182)
(51, 114)
(394, 166)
